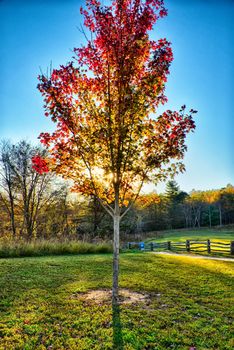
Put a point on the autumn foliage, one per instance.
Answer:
(39, 164)
(108, 138)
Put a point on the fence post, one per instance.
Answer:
(169, 245)
(232, 248)
(188, 245)
(129, 245)
(208, 246)
(151, 246)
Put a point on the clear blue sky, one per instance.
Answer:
(34, 33)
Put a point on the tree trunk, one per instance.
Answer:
(12, 215)
(10, 208)
(28, 222)
(115, 286)
(13, 225)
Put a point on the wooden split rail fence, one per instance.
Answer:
(189, 246)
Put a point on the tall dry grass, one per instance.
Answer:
(10, 249)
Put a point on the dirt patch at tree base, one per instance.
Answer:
(126, 296)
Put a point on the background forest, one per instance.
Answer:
(36, 205)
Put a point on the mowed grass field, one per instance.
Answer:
(220, 240)
(221, 235)
(190, 303)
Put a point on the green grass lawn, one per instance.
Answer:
(221, 235)
(191, 303)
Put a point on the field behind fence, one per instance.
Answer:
(189, 246)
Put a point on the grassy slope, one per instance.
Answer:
(221, 235)
(191, 301)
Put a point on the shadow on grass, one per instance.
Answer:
(117, 329)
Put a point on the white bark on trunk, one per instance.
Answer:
(115, 286)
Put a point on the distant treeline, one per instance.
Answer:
(41, 206)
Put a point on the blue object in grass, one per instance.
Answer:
(142, 245)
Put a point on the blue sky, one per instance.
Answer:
(34, 33)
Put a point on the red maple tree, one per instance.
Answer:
(108, 139)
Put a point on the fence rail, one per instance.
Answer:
(188, 246)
